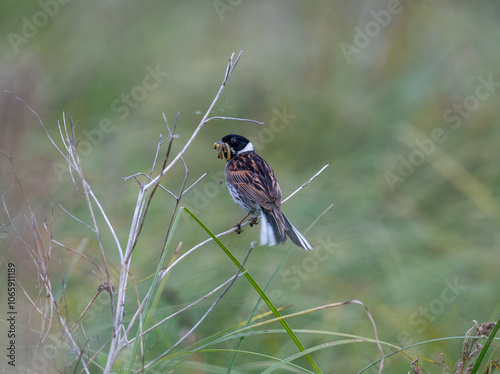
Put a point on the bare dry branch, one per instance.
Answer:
(143, 201)
(306, 183)
(41, 258)
(235, 119)
(229, 70)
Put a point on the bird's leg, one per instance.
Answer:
(238, 225)
(254, 221)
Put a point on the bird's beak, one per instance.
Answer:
(222, 147)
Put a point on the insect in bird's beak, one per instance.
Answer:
(222, 147)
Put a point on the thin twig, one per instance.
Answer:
(73, 328)
(75, 218)
(108, 223)
(187, 253)
(229, 70)
(305, 184)
(160, 142)
(81, 255)
(41, 123)
(136, 175)
(157, 183)
(89, 194)
(235, 119)
(150, 178)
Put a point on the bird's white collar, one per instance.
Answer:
(248, 148)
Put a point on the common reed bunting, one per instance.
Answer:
(253, 186)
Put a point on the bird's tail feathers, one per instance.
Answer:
(296, 236)
(270, 231)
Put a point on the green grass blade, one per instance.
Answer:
(259, 291)
(485, 348)
(233, 359)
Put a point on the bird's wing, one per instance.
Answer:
(252, 176)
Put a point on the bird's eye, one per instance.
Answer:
(233, 140)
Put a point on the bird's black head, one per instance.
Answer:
(232, 145)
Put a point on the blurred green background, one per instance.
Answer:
(401, 99)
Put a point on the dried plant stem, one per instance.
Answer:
(306, 183)
(119, 338)
(204, 120)
(236, 119)
(41, 258)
